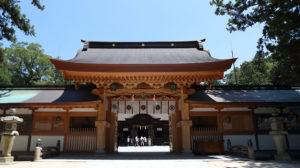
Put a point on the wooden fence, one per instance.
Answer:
(80, 140)
(204, 138)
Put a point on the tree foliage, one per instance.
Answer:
(258, 71)
(280, 35)
(11, 18)
(5, 75)
(26, 64)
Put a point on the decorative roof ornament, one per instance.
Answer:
(200, 45)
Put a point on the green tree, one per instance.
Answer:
(280, 35)
(57, 76)
(29, 65)
(5, 74)
(231, 76)
(258, 71)
(11, 18)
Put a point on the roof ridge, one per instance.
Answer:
(143, 44)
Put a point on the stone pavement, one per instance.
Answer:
(144, 149)
(43, 164)
(149, 157)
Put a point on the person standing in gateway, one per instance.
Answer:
(128, 141)
(142, 141)
(136, 141)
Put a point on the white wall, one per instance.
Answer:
(203, 109)
(23, 111)
(83, 110)
(50, 110)
(239, 140)
(266, 142)
(294, 142)
(263, 110)
(20, 111)
(20, 143)
(47, 141)
(236, 109)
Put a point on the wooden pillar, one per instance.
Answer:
(255, 128)
(66, 128)
(114, 125)
(4, 111)
(185, 123)
(220, 123)
(101, 123)
(30, 131)
(176, 137)
(173, 132)
(178, 129)
(110, 132)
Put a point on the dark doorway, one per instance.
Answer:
(148, 131)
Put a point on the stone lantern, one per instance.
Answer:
(278, 133)
(8, 135)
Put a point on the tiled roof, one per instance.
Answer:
(182, 52)
(42, 95)
(246, 96)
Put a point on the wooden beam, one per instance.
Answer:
(132, 79)
(144, 91)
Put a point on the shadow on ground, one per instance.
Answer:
(143, 156)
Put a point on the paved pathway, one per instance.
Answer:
(144, 149)
(44, 164)
(146, 157)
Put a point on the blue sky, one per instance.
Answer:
(63, 23)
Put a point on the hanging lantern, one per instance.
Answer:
(173, 86)
(113, 87)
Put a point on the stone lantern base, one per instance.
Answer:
(6, 160)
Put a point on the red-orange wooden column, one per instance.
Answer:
(110, 131)
(101, 123)
(185, 123)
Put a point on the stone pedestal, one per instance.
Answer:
(280, 143)
(37, 153)
(278, 134)
(6, 160)
(8, 136)
(7, 144)
(251, 152)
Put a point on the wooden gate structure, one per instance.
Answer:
(80, 140)
(149, 71)
(142, 69)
